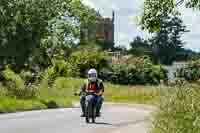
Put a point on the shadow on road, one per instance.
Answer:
(103, 123)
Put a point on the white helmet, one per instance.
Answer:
(92, 75)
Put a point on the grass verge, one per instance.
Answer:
(8, 105)
(60, 95)
(179, 111)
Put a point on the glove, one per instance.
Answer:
(100, 93)
(77, 94)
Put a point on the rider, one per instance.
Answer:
(95, 86)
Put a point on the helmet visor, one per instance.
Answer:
(92, 75)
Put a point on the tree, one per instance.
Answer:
(167, 42)
(38, 28)
(86, 57)
(153, 10)
(140, 47)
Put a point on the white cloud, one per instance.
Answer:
(126, 28)
(192, 21)
(114, 7)
(123, 39)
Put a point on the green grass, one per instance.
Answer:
(61, 94)
(8, 105)
(65, 87)
(115, 93)
(179, 110)
(132, 94)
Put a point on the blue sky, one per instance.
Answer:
(125, 24)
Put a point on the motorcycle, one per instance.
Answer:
(90, 108)
(90, 105)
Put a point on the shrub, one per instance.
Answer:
(26, 75)
(191, 72)
(87, 58)
(134, 74)
(60, 68)
(158, 73)
(179, 111)
(15, 80)
(29, 77)
(51, 104)
(15, 85)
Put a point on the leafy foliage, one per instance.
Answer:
(191, 72)
(140, 47)
(88, 57)
(60, 68)
(141, 73)
(9, 75)
(15, 85)
(167, 42)
(32, 31)
(154, 9)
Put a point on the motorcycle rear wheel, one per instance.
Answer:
(87, 120)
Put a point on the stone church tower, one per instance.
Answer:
(105, 28)
(102, 31)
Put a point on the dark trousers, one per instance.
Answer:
(98, 99)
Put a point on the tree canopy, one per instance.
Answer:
(140, 47)
(167, 42)
(40, 28)
(153, 10)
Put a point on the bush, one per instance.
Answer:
(51, 104)
(87, 58)
(191, 72)
(15, 80)
(29, 77)
(146, 73)
(179, 111)
(26, 76)
(15, 96)
(15, 85)
(60, 68)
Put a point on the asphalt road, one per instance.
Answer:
(115, 119)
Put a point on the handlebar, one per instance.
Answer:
(88, 93)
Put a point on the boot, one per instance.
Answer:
(98, 113)
(83, 110)
(83, 115)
